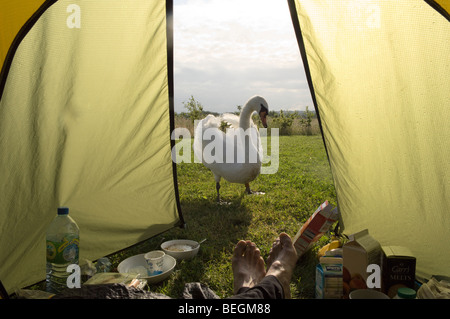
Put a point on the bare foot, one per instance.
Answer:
(247, 265)
(281, 262)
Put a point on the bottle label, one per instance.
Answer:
(62, 252)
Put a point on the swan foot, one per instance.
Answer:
(254, 193)
(219, 201)
(248, 191)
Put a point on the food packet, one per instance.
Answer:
(315, 227)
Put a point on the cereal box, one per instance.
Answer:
(398, 269)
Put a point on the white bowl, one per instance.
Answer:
(138, 265)
(186, 246)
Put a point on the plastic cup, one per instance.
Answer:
(155, 262)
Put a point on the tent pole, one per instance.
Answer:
(170, 79)
(301, 44)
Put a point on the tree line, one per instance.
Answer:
(288, 122)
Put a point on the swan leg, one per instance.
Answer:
(217, 188)
(247, 189)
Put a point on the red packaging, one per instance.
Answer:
(314, 228)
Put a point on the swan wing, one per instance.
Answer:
(231, 119)
(198, 147)
(211, 121)
(212, 124)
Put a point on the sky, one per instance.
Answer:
(228, 51)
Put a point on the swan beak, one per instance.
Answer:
(263, 115)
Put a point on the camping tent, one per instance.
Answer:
(86, 112)
(379, 73)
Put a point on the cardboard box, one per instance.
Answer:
(314, 228)
(329, 278)
(360, 251)
(398, 269)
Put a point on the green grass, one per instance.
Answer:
(302, 182)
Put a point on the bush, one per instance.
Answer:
(195, 109)
(284, 122)
(306, 122)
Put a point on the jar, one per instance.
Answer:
(405, 293)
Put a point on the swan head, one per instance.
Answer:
(259, 104)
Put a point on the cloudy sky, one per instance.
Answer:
(227, 51)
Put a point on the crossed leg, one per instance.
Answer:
(248, 265)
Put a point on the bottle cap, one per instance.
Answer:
(63, 210)
(406, 293)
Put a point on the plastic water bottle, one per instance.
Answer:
(63, 239)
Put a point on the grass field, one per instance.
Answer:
(303, 181)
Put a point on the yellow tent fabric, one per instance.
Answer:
(380, 75)
(85, 121)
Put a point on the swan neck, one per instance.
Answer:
(245, 117)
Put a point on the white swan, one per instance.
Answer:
(237, 154)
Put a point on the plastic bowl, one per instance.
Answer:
(180, 248)
(138, 265)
